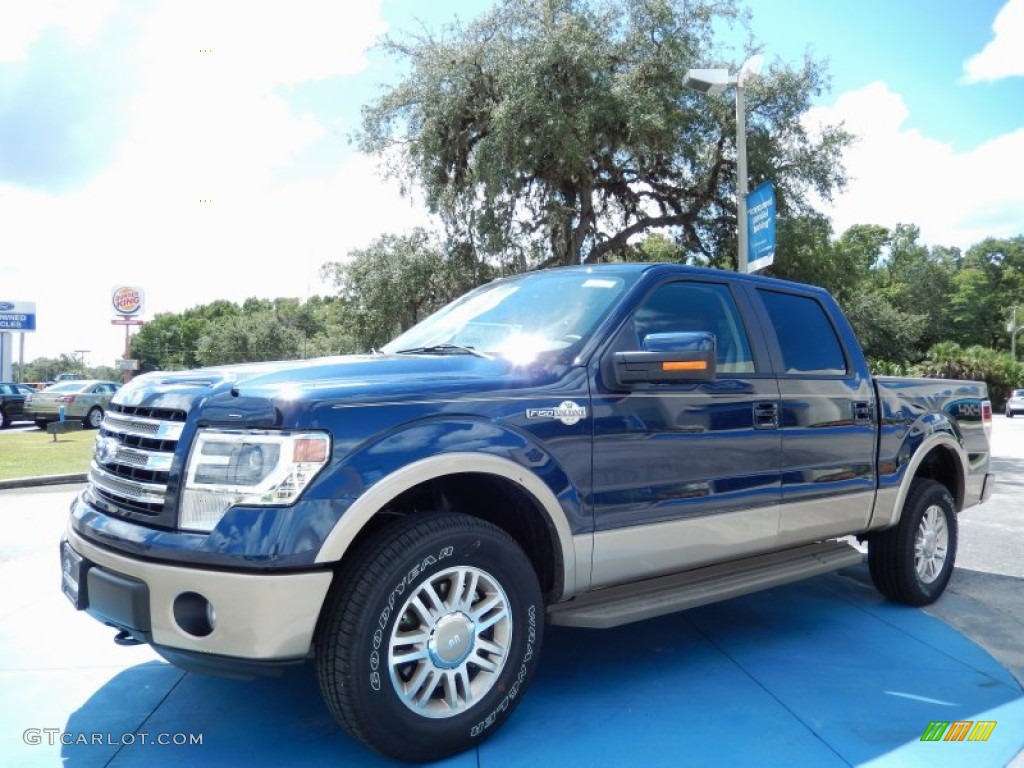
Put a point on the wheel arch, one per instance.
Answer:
(940, 457)
(515, 499)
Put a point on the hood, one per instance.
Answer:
(354, 378)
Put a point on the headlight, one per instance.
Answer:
(227, 468)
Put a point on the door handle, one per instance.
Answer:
(863, 412)
(766, 415)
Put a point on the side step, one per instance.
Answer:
(612, 606)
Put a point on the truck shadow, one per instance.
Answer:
(818, 673)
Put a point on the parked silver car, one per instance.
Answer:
(86, 400)
(1015, 404)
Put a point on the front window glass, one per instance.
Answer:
(519, 319)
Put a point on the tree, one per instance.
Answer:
(399, 280)
(249, 337)
(559, 130)
(171, 340)
(989, 284)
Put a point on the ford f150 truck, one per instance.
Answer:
(586, 446)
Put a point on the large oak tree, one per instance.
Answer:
(557, 131)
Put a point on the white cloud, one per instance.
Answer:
(1003, 56)
(899, 175)
(204, 127)
(24, 21)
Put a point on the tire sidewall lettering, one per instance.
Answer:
(531, 637)
(419, 571)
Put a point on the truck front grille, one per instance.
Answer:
(132, 461)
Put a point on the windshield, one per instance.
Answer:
(521, 318)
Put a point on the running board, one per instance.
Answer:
(612, 606)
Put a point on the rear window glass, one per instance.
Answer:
(807, 340)
(70, 386)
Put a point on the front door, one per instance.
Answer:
(686, 473)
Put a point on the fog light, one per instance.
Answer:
(194, 614)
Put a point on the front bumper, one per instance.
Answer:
(259, 617)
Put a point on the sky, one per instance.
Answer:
(199, 149)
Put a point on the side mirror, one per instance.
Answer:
(668, 357)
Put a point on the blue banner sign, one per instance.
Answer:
(761, 227)
(17, 315)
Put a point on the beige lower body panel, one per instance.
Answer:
(643, 552)
(259, 616)
(802, 522)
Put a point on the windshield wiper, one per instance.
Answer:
(443, 349)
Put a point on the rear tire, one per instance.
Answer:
(912, 563)
(94, 418)
(41, 423)
(429, 636)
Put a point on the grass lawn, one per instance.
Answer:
(34, 453)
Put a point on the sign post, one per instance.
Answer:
(129, 302)
(761, 227)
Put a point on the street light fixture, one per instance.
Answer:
(712, 82)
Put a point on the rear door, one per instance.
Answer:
(827, 419)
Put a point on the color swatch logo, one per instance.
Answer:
(960, 730)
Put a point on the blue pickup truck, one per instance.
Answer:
(587, 446)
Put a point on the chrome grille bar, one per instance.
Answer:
(137, 457)
(144, 493)
(142, 427)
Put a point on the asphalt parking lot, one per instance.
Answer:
(821, 673)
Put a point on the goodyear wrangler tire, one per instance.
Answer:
(912, 563)
(430, 635)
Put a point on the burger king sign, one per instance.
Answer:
(128, 300)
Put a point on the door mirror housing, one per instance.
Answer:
(668, 357)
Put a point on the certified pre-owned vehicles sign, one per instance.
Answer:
(17, 315)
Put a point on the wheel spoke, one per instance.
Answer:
(462, 676)
(451, 694)
(428, 591)
(405, 655)
(434, 679)
(479, 611)
(487, 665)
(413, 686)
(425, 614)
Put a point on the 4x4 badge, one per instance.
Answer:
(567, 412)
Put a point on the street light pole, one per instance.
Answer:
(741, 177)
(1014, 330)
(713, 81)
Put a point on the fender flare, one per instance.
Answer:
(377, 496)
(943, 440)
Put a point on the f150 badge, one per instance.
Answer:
(567, 412)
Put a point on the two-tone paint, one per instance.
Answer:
(629, 483)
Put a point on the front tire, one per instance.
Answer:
(912, 563)
(4, 421)
(1009, 413)
(429, 636)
